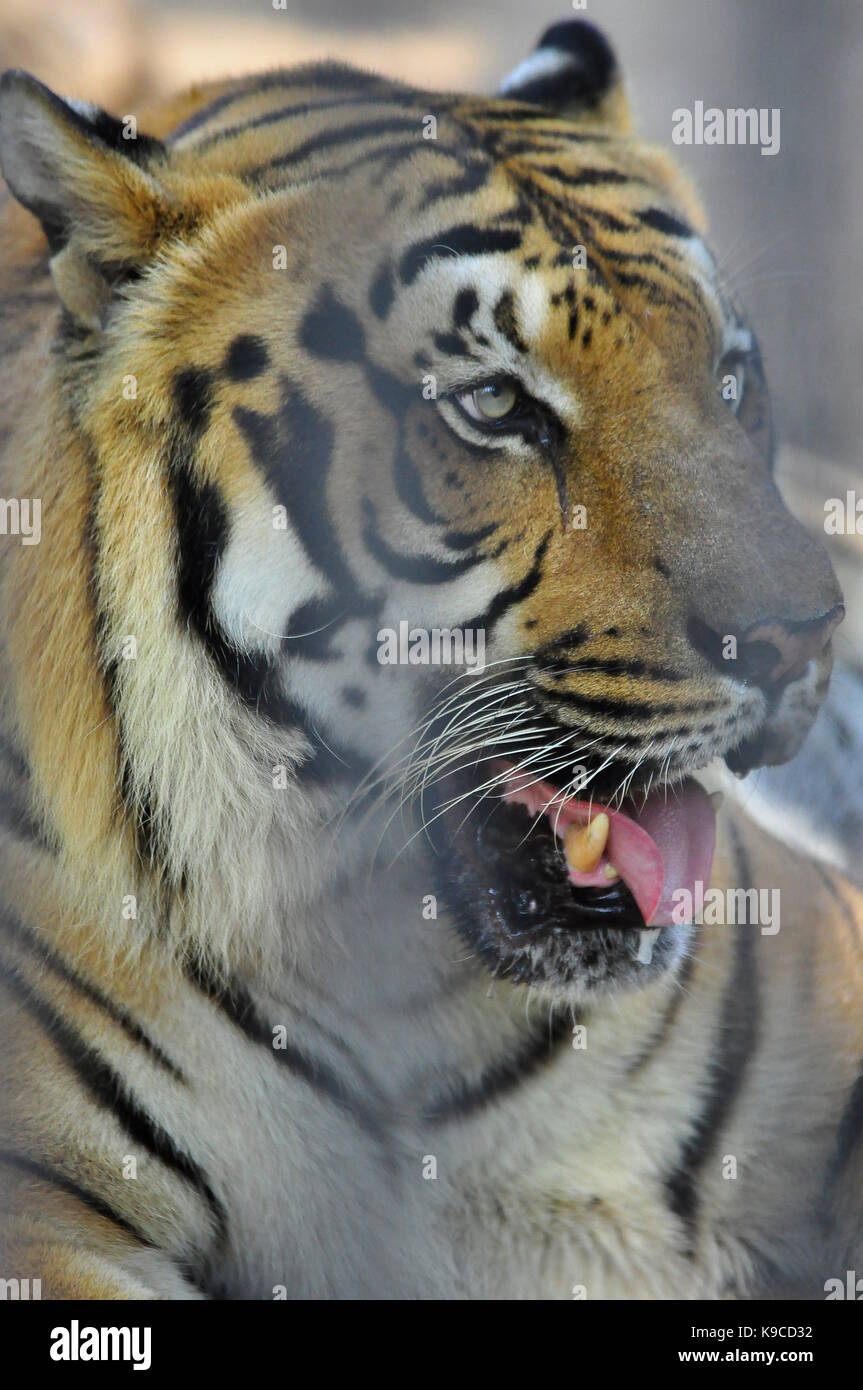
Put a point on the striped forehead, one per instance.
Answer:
(508, 293)
(498, 182)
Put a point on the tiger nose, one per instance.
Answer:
(771, 652)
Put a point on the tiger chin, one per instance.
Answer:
(293, 366)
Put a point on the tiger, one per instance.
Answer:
(330, 976)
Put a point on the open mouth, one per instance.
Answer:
(555, 888)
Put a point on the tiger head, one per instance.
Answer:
(407, 464)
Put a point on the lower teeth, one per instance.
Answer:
(646, 942)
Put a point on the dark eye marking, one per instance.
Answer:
(331, 330)
(246, 358)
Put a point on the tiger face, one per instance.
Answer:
(353, 366)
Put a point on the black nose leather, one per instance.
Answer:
(771, 652)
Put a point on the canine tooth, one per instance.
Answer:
(585, 844)
(646, 942)
(716, 799)
(610, 872)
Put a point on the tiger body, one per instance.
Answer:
(558, 1168)
(253, 1066)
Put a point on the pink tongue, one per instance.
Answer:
(659, 849)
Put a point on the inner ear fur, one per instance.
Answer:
(105, 202)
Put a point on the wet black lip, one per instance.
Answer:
(531, 889)
(749, 755)
(514, 863)
(501, 874)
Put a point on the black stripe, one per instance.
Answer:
(14, 757)
(464, 307)
(584, 178)
(295, 109)
(621, 709)
(201, 518)
(620, 667)
(514, 595)
(392, 155)
(294, 451)
(340, 135)
(662, 221)
(288, 80)
(665, 262)
(653, 292)
(89, 1199)
(193, 397)
(397, 399)
(382, 291)
(553, 125)
(574, 637)
(131, 804)
(417, 569)
(452, 345)
(607, 220)
(238, 1006)
(247, 357)
(409, 484)
(506, 321)
(461, 1097)
(331, 330)
(677, 998)
(734, 1045)
(91, 991)
(849, 1136)
(563, 223)
(472, 177)
(16, 818)
(844, 906)
(464, 240)
(466, 540)
(202, 526)
(110, 1092)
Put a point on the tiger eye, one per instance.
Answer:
(495, 400)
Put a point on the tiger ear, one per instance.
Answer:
(91, 181)
(573, 71)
